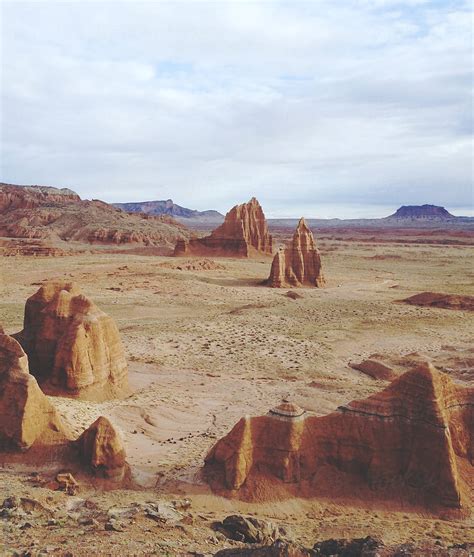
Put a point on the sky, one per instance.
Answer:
(326, 108)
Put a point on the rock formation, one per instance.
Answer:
(425, 212)
(415, 439)
(438, 300)
(60, 215)
(243, 233)
(375, 369)
(299, 264)
(73, 347)
(26, 415)
(101, 449)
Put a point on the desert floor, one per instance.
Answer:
(207, 347)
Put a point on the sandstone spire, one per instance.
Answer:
(243, 233)
(414, 439)
(73, 347)
(299, 264)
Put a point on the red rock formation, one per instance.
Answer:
(101, 449)
(26, 415)
(375, 369)
(243, 233)
(414, 438)
(73, 347)
(45, 213)
(299, 264)
(445, 301)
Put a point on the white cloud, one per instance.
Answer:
(212, 102)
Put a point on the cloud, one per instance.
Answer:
(302, 104)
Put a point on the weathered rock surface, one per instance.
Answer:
(53, 214)
(375, 369)
(243, 233)
(101, 449)
(193, 265)
(438, 300)
(73, 347)
(26, 415)
(249, 529)
(299, 264)
(415, 439)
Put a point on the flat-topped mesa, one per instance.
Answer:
(414, 440)
(299, 264)
(74, 348)
(101, 450)
(244, 233)
(26, 415)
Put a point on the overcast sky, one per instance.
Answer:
(323, 108)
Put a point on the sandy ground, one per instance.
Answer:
(207, 347)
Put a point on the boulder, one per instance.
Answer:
(414, 439)
(101, 449)
(26, 415)
(299, 264)
(74, 348)
(244, 233)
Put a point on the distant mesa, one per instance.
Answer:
(244, 233)
(428, 212)
(413, 441)
(53, 215)
(26, 415)
(438, 300)
(299, 264)
(73, 347)
(168, 207)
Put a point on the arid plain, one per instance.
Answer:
(207, 344)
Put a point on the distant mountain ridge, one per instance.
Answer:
(421, 212)
(166, 207)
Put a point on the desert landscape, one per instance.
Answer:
(148, 361)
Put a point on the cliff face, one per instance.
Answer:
(61, 215)
(415, 438)
(299, 264)
(26, 415)
(73, 347)
(243, 233)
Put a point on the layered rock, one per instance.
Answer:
(73, 347)
(414, 438)
(101, 450)
(26, 415)
(299, 264)
(46, 213)
(243, 233)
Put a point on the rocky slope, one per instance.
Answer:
(168, 207)
(61, 215)
(243, 233)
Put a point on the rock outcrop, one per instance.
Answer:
(26, 415)
(438, 300)
(101, 450)
(243, 233)
(299, 264)
(375, 369)
(414, 439)
(73, 347)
